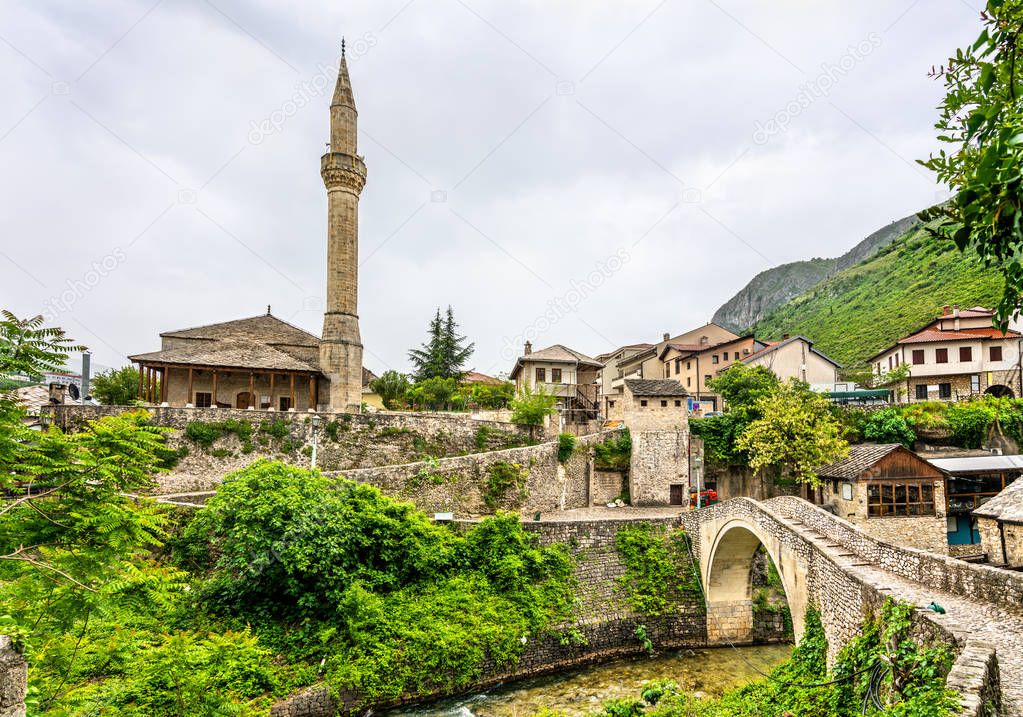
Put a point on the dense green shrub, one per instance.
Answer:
(888, 426)
(396, 604)
(502, 476)
(566, 446)
(615, 453)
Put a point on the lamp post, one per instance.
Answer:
(316, 421)
(697, 464)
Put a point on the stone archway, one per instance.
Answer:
(726, 571)
(1000, 391)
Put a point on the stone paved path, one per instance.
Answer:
(975, 618)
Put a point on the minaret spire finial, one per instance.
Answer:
(342, 46)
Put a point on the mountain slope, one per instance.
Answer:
(772, 288)
(898, 289)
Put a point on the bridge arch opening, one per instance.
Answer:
(734, 597)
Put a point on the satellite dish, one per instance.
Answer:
(73, 391)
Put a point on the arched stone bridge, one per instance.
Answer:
(828, 562)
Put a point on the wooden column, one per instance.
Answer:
(189, 399)
(164, 372)
(253, 401)
(141, 374)
(292, 377)
(213, 400)
(312, 392)
(149, 384)
(272, 377)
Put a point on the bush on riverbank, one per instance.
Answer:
(803, 686)
(395, 604)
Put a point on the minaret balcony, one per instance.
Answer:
(343, 170)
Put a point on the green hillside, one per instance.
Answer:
(861, 310)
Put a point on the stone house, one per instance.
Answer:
(972, 482)
(890, 492)
(569, 375)
(612, 375)
(656, 413)
(695, 365)
(957, 355)
(794, 357)
(648, 364)
(1000, 522)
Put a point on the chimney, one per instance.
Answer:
(528, 348)
(784, 337)
(946, 310)
(955, 314)
(704, 341)
(667, 336)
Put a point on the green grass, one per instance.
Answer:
(862, 310)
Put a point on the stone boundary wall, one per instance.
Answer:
(461, 484)
(344, 440)
(976, 678)
(1001, 587)
(13, 680)
(74, 416)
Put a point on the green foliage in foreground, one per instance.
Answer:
(396, 604)
(914, 687)
(981, 123)
(658, 567)
(866, 308)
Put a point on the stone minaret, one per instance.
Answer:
(344, 174)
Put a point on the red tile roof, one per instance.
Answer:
(477, 377)
(932, 335)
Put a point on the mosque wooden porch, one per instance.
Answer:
(228, 387)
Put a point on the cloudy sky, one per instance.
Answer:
(582, 172)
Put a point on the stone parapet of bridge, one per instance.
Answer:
(847, 575)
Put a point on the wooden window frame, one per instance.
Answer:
(555, 375)
(919, 357)
(965, 354)
(996, 354)
(941, 355)
(894, 498)
(540, 375)
(207, 400)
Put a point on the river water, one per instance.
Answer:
(580, 692)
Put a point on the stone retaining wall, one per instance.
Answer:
(344, 441)
(465, 485)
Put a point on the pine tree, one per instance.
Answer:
(456, 351)
(445, 353)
